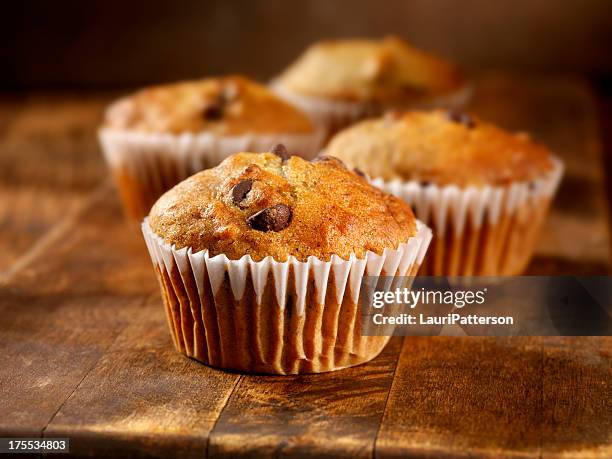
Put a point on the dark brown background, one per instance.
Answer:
(119, 43)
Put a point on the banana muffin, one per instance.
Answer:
(261, 259)
(339, 82)
(484, 191)
(159, 136)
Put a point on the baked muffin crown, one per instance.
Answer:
(441, 147)
(260, 204)
(230, 105)
(387, 70)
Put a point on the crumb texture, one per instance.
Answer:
(440, 147)
(230, 105)
(262, 205)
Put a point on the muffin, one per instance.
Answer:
(159, 136)
(261, 260)
(340, 82)
(484, 191)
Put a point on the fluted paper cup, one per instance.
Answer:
(269, 316)
(479, 231)
(332, 116)
(145, 165)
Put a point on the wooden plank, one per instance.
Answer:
(50, 139)
(49, 161)
(328, 415)
(150, 402)
(28, 213)
(458, 395)
(63, 309)
(577, 397)
(143, 398)
(495, 397)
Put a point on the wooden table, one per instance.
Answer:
(85, 352)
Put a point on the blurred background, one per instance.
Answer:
(122, 43)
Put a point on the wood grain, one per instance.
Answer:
(499, 397)
(63, 309)
(49, 162)
(149, 402)
(328, 415)
(577, 397)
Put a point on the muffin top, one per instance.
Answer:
(387, 70)
(226, 105)
(273, 204)
(440, 147)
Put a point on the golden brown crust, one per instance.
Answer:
(388, 70)
(442, 148)
(333, 210)
(231, 105)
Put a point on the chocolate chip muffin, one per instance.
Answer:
(341, 81)
(158, 136)
(484, 191)
(261, 260)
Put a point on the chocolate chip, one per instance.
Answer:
(273, 218)
(359, 172)
(461, 118)
(240, 191)
(281, 151)
(213, 112)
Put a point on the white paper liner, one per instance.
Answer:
(155, 162)
(332, 115)
(469, 209)
(309, 282)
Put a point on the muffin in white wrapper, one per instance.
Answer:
(338, 83)
(479, 231)
(159, 136)
(483, 191)
(274, 317)
(261, 261)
